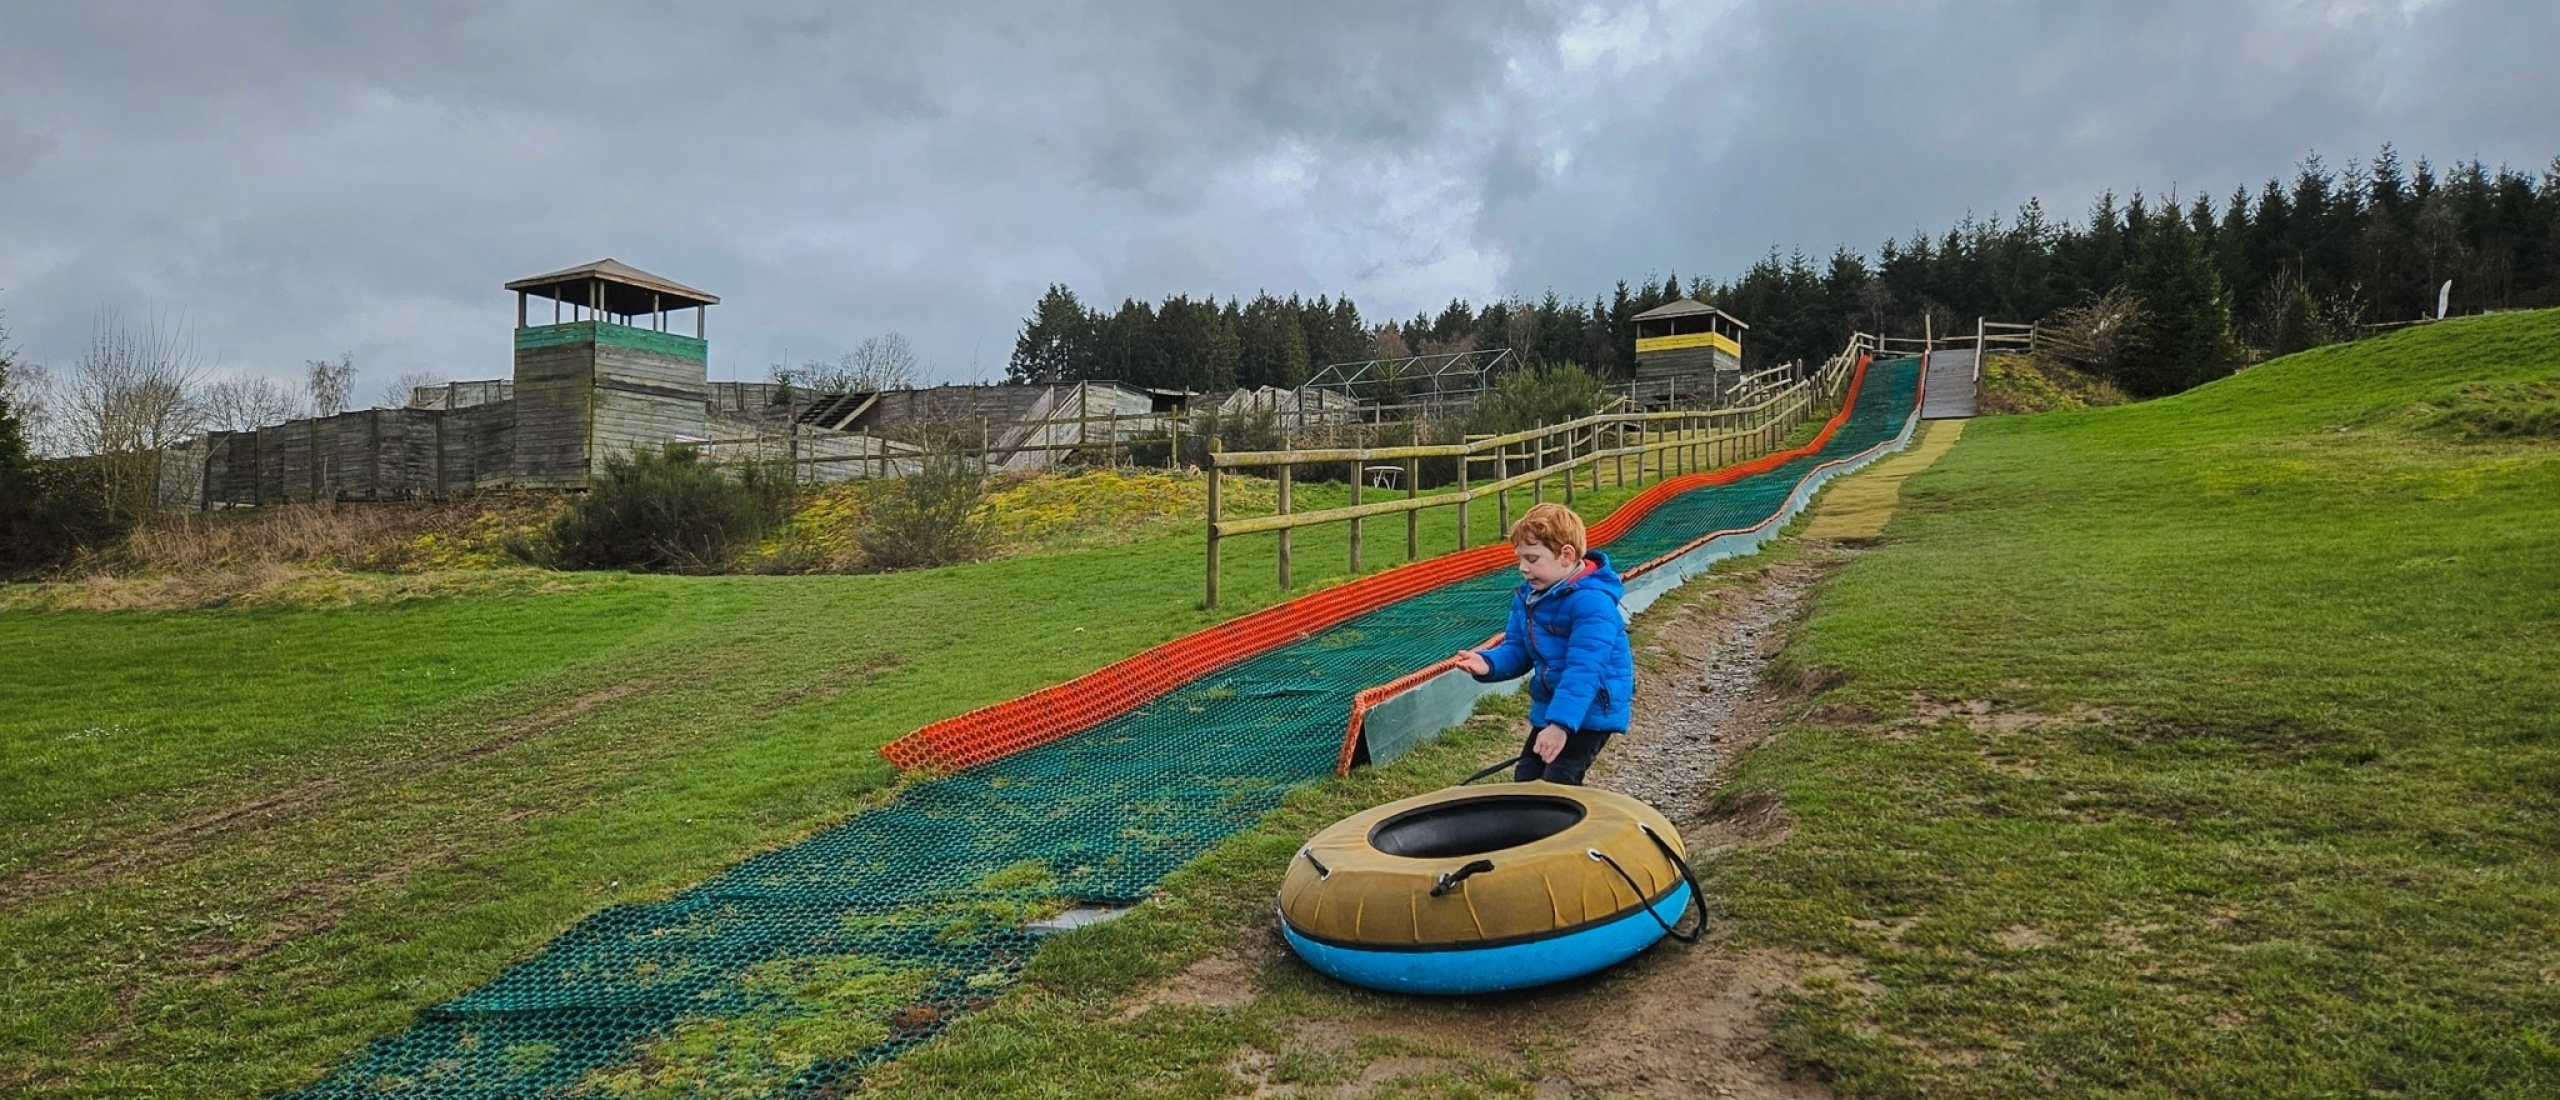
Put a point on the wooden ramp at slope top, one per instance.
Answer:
(1953, 381)
(1857, 507)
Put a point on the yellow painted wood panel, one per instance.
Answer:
(1730, 346)
(1857, 506)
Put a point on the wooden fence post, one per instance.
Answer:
(1639, 452)
(1213, 523)
(1464, 460)
(1568, 467)
(1355, 520)
(1413, 516)
(1502, 495)
(1538, 466)
(1618, 439)
(1284, 532)
(1596, 461)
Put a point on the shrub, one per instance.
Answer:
(928, 519)
(2100, 334)
(1525, 399)
(2014, 384)
(52, 513)
(669, 511)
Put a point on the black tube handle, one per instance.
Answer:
(1449, 880)
(1322, 871)
(1492, 768)
(1697, 897)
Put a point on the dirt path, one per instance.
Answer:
(1678, 1021)
(1695, 1021)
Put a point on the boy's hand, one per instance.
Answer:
(1550, 742)
(1474, 662)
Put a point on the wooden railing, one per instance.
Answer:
(1663, 444)
(875, 455)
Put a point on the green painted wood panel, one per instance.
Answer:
(610, 334)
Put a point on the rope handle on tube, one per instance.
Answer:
(1697, 897)
(1322, 871)
(1492, 768)
(1449, 880)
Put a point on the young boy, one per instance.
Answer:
(1568, 633)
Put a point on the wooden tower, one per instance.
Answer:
(606, 375)
(1687, 353)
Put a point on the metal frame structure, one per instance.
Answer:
(1427, 379)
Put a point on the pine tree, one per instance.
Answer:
(2297, 325)
(1272, 344)
(1125, 347)
(2186, 340)
(1226, 352)
(19, 487)
(1057, 340)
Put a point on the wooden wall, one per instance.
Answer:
(1688, 375)
(374, 454)
(555, 386)
(590, 389)
(644, 399)
(478, 447)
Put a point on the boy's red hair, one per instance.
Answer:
(1553, 526)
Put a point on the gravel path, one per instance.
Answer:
(1700, 693)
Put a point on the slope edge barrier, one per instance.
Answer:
(1062, 710)
(798, 968)
(1390, 718)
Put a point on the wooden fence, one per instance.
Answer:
(994, 446)
(1662, 444)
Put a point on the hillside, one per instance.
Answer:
(2199, 747)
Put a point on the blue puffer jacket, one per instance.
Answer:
(1572, 641)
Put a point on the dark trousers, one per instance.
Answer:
(1567, 768)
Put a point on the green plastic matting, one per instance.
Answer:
(790, 972)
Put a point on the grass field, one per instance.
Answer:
(2198, 747)
(235, 844)
(2194, 748)
(2208, 746)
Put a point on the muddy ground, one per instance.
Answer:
(1679, 1021)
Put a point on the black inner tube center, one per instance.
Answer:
(1474, 826)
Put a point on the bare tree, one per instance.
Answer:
(132, 395)
(246, 402)
(884, 362)
(331, 385)
(1388, 343)
(30, 390)
(397, 392)
(2098, 333)
(26, 388)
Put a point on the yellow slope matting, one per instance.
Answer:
(1857, 506)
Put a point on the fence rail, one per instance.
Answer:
(1666, 444)
(874, 454)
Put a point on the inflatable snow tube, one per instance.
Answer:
(1477, 889)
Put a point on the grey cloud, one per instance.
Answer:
(1819, 124)
(299, 179)
(304, 178)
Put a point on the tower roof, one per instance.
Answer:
(624, 288)
(1685, 307)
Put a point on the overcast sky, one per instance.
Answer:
(294, 180)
